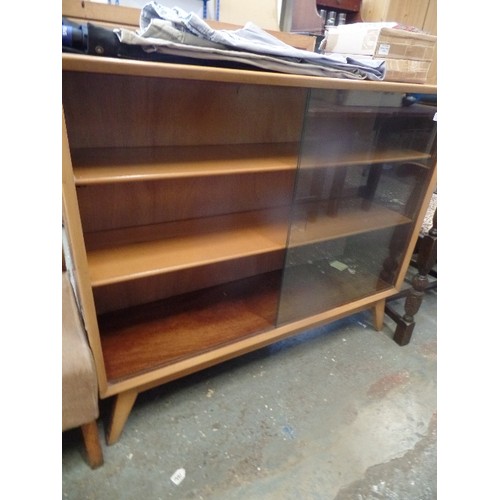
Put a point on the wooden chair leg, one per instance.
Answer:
(92, 443)
(121, 410)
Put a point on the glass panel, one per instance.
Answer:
(365, 164)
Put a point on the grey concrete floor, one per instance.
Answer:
(339, 412)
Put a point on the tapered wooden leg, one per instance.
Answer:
(121, 410)
(92, 444)
(378, 315)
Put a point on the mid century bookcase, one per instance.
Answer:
(209, 212)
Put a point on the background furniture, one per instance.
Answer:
(79, 380)
(304, 17)
(424, 260)
(421, 14)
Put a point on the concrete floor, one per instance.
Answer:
(336, 413)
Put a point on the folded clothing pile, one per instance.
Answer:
(171, 34)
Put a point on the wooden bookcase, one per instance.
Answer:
(195, 201)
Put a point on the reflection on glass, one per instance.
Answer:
(364, 168)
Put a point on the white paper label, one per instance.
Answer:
(384, 49)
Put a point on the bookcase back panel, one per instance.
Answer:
(151, 202)
(101, 113)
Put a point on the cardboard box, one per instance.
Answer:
(380, 40)
(406, 70)
(408, 54)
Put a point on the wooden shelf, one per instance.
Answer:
(133, 253)
(111, 165)
(321, 109)
(313, 225)
(315, 158)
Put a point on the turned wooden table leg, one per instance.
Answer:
(406, 323)
(121, 410)
(425, 261)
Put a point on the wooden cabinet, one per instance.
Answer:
(304, 16)
(210, 212)
(347, 6)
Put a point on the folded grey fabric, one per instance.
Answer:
(176, 32)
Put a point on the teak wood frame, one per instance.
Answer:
(272, 85)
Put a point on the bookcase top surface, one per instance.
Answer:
(129, 67)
